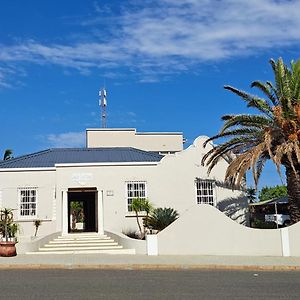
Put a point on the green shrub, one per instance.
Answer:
(131, 233)
(263, 225)
(160, 218)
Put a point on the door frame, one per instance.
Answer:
(99, 216)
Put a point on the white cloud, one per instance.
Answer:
(68, 139)
(161, 37)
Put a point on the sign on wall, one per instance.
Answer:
(82, 178)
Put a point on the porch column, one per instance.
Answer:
(100, 213)
(64, 212)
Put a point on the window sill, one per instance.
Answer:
(133, 215)
(32, 220)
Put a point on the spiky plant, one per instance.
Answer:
(6, 219)
(160, 218)
(273, 133)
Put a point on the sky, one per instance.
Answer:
(163, 62)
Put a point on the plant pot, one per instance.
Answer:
(8, 249)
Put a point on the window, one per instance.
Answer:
(135, 189)
(27, 202)
(205, 191)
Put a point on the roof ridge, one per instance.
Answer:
(92, 148)
(153, 153)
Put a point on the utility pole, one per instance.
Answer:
(103, 104)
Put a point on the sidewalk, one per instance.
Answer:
(144, 262)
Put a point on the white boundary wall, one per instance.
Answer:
(204, 230)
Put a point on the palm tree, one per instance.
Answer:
(251, 194)
(37, 224)
(8, 154)
(273, 133)
(141, 205)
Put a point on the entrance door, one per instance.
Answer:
(82, 210)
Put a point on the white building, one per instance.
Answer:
(116, 166)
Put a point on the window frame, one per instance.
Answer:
(126, 192)
(20, 197)
(213, 189)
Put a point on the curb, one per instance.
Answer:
(149, 267)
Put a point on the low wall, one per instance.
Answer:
(204, 230)
(140, 246)
(30, 244)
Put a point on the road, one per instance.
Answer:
(137, 284)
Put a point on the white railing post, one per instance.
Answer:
(152, 244)
(64, 213)
(285, 241)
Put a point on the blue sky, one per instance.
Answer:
(163, 62)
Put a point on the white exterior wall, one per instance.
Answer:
(170, 183)
(107, 178)
(44, 181)
(152, 141)
(203, 230)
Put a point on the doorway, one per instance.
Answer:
(82, 210)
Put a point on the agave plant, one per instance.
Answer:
(273, 133)
(160, 218)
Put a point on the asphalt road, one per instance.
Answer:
(133, 284)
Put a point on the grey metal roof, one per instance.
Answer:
(50, 157)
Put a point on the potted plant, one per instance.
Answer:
(8, 230)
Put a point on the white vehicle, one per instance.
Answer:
(271, 211)
(280, 219)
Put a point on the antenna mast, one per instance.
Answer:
(103, 104)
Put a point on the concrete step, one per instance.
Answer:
(75, 235)
(65, 237)
(78, 242)
(100, 244)
(47, 249)
(83, 239)
(102, 251)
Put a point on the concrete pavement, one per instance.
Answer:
(127, 262)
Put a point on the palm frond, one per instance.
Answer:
(295, 82)
(212, 157)
(252, 101)
(259, 167)
(254, 121)
(245, 131)
(267, 90)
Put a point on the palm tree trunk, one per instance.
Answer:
(36, 230)
(293, 188)
(138, 222)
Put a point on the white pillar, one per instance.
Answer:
(64, 212)
(152, 244)
(285, 241)
(100, 213)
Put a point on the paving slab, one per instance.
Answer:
(170, 262)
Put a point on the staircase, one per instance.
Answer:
(83, 243)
